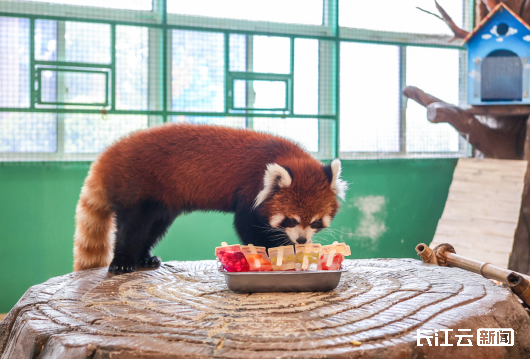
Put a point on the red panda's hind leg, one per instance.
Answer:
(158, 230)
(138, 229)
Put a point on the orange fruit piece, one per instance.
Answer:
(264, 261)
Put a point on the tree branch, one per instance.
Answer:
(520, 256)
(420, 96)
(459, 33)
(493, 143)
(491, 4)
(430, 13)
(482, 11)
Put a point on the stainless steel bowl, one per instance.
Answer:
(290, 281)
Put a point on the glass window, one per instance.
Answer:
(48, 84)
(14, 62)
(198, 71)
(92, 133)
(46, 40)
(272, 70)
(235, 122)
(28, 132)
(111, 4)
(399, 16)
(132, 56)
(435, 71)
(238, 52)
(304, 131)
(369, 98)
(81, 87)
(306, 76)
(271, 54)
(87, 42)
(285, 11)
(265, 94)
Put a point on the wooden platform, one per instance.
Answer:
(482, 209)
(184, 310)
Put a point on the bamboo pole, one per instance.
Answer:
(444, 255)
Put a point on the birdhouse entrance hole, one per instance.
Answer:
(502, 77)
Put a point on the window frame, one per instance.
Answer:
(161, 23)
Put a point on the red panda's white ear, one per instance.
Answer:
(338, 185)
(275, 175)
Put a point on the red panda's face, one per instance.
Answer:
(300, 200)
(301, 217)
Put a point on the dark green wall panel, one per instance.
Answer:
(391, 206)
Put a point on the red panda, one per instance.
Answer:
(137, 187)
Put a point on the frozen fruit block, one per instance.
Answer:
(232, 258)
(307, 256)
(331, 256)
(257, 258)
(348, 251)
(282, 258)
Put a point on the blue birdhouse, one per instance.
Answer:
(499, 60)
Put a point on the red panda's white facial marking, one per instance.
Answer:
(326, 221)
(275, 220)
(338, 185)
(275, 175)
(300, 235)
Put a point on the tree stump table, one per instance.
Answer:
(184, 309)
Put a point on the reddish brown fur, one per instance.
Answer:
(192, 167)
(93, 242)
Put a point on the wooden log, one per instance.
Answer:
(184, 309)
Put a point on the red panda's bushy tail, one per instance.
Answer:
(95, 227)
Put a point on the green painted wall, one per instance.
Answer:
(391, 206)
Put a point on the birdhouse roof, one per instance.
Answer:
(496, 9)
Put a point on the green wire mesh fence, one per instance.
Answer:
(77, 75)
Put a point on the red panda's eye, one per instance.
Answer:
(289, 222)
(317, 224)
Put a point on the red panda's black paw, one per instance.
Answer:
(121, 268)
(150, 262)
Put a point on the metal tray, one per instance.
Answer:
(289, 281)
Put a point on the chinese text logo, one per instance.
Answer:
(485, 337)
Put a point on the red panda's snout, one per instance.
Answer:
(299, 230)
(300, 198)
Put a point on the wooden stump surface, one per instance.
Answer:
(184, 309)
